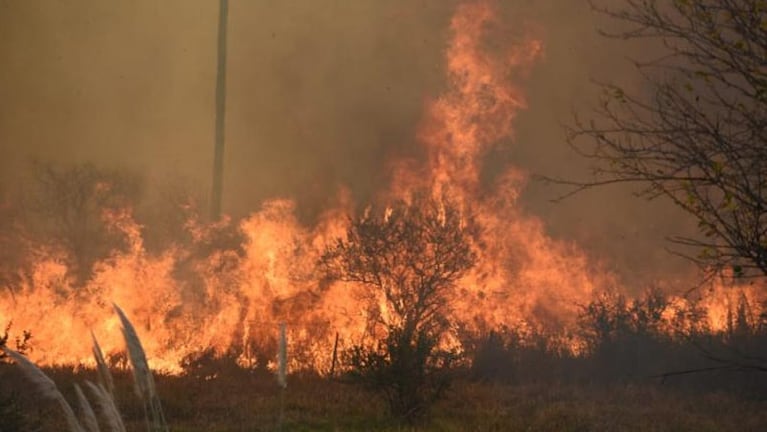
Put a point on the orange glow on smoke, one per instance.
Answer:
(190, 298)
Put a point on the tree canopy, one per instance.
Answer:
(696, 133)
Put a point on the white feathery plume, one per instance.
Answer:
(45, 385)
(104, 374)
(90, 423)
(107, 407)
(142, 376)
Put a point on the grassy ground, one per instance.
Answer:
(249, 402)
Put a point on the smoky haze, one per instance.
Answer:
(320, 95)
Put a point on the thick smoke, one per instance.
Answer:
(321, 95)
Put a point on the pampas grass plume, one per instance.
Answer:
(90, 423)
(107, 407)
(46, 386)
(105, 375)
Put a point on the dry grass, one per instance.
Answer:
(249, 401)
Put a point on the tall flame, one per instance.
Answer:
(523, 275)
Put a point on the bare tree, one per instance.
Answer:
(408, 258)
(63, 205)
(697, 133)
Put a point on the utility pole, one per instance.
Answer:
(218, 153)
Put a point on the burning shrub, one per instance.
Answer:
(22, 342)
(406, 259)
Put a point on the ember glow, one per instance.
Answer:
(235, 296)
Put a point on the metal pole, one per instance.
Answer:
(218, 154)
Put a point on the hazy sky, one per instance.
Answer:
(320, 94)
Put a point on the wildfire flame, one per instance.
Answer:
(190, 297)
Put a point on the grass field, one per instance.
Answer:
(246, 401)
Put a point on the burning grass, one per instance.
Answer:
(511, 381)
